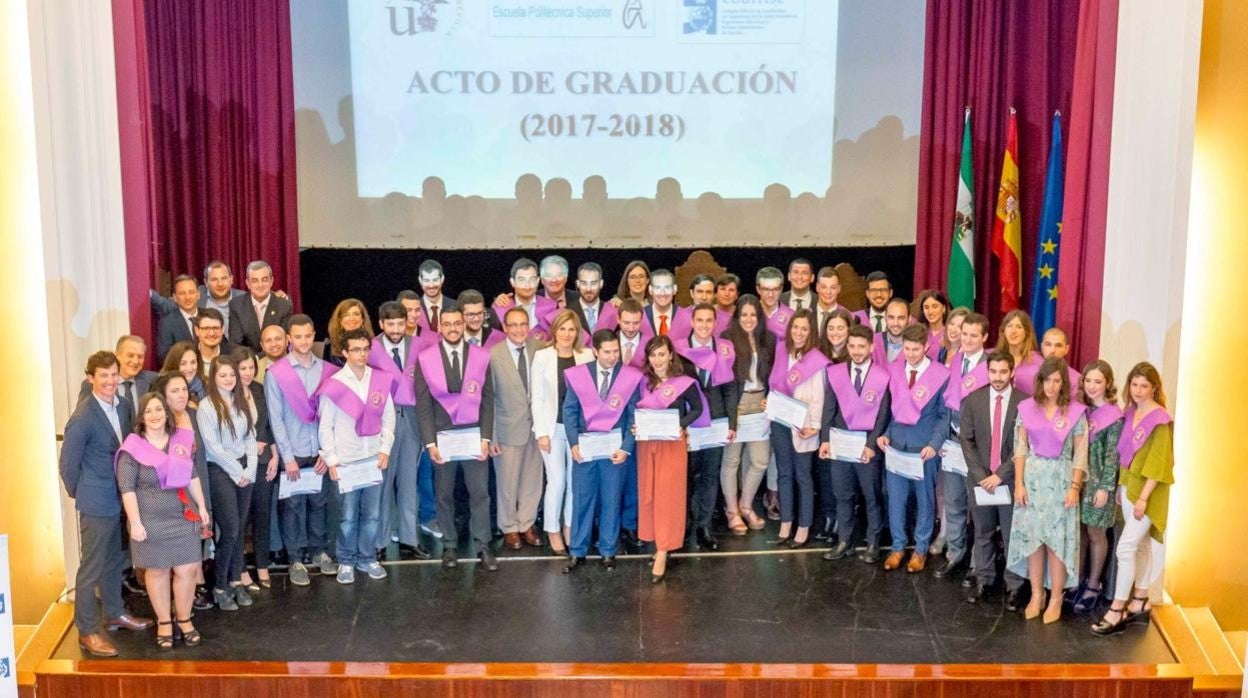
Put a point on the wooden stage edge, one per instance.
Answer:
(41, 676)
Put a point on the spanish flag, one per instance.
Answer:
(1007, 228)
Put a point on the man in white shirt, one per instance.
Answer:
(411, 303)
(878, 293)
(357, 431)
(210, 335)
(661, 313)
(431, 278)
(632, 352)
(895, 319)
(587, 303)
(827, 291)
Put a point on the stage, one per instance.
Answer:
(747, 603)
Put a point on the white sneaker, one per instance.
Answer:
(374, 570)
(346, 574)
(432, 529)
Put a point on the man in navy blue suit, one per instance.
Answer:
(179, 325)
(92, 436)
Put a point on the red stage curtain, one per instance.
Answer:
(217, 131)
(989, 55)
(1082, 262)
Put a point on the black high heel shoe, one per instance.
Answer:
(1104, 628)
(164, 642)
(190, 638)
(656, 578)
(1144, 614)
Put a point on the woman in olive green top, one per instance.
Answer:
(1097, 509)
(1146, 450)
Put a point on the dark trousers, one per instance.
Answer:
(984, 552)
(704, 471)
(477, 480)
(828, 500)
(304, 518)
(848, 479)
(260, 511)
(628, 506)
(102, 561)
(596, 491)
(793, 469)
(229, 507)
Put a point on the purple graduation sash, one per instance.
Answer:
(608, 317)
(304, 406)
(1025, 373)
(173, 469)
(908, 403)
(934, 343)
(366, 413)
(1102, 417)
(681, 325)
(404, 389)
(1133, 437)
(864, 317)
(602, 415)
(463, 407)
(545, 310)
(966, 383)
(718, 359)
(859, 411)
(665, 393)
(778, 322)
(723, 320)
(786, 379)
(494, 337)
(879, 350)
(1046, 437)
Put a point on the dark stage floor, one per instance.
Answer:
(743, 604)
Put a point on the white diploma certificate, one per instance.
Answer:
(753, 427)
(460, 444)
(657, 425)
(309, 482)
(598, 446)
(846, 445)
(359, 474)
(787, 410)
(907, 465)
(1000, 496)
(702, 438)
(951, 457)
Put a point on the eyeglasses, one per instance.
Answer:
(637, 277)
(210, 329)
(475, 315)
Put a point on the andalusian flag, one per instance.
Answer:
(1007, 229)
(1048, 241)
(962, 256)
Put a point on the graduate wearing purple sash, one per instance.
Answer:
(601, 396)
(394, 353)
(357, 431)
(454, 390)
(1050, 465)
(1146, 454)
(594, 312)
(857, 400)
(710, 362)
(798, 371)
(524, 282)
(920, 425)
(1098, 509)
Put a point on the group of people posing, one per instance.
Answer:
(609, 422)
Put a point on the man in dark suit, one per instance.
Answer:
(452, 364)
(178, 325)
(132, 380)
(92, 436)
(216, 292)
(587, 302)
(258, 309)
(986, 431)
(801, 276)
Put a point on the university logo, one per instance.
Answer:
(5, 672)
(668, 391)
(1138, 435)
(920, 393)
(631, 16)
(178, 450)
(723, 350)
(470, 387)
(700, 17)
(869, 397)
(411, 17)
(614, 402)
(794, 377)
(968, 382)
(375, 399)
(1060, 424)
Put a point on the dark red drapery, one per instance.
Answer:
(991, 56)
(213, 114)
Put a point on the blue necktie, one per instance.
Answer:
(591, 318)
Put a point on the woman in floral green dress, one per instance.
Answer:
(1097, 510)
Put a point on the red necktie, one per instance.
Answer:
(994, 460)
(662, 325)
(913, 375)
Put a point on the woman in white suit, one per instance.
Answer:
(566, 349)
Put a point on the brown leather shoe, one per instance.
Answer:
(531, 538)
(97, 645)
(918, 562)
(129, 622)
(893, 561)
(512, 540)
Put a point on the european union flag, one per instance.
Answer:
(1048, 241)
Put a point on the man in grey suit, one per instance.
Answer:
(987, 437)
(179, 324)
(93, 434)
(132, 380)
(259, 308)
(517, 462)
